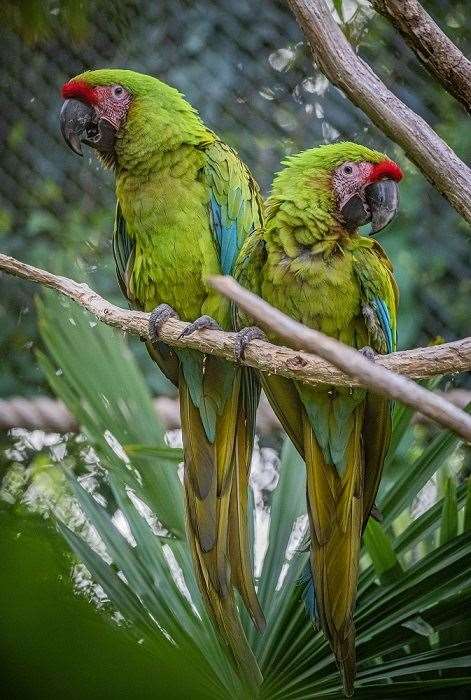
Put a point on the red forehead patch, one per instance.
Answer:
(79, 90)
(387, 168)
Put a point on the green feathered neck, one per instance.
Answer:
(159, 119)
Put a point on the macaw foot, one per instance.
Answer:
(368, 352)
(376, 514)
(243, 338)
(203, 323)
(158, 317)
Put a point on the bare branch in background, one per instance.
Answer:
(379, 379)
(345, 69)
(53, 416)
(443, 60)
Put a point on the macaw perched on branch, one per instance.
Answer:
(185, 204)
(311, 262)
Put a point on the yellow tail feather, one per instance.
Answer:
(224, 615)
(217, 521)
(239, 546)
(335, 505)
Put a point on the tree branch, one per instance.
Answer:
(338, 61)
(421, 362)
(377, 378)
(443, 60)
(53, 416)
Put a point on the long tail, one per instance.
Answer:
(335, 506)
(239, 543)
(216, 487)
(339, 500)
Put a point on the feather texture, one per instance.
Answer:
(306, 264)
(186, 203)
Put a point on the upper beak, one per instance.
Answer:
(80, 124)
(383, 201)
(75, 118)
(378, 203)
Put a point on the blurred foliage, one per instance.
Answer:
(114, 495)
(50, 628)
(259, 90)
(37, 20)
(33, 19)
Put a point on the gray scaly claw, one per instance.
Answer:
(243, 338)
(376, 514)
(158, 317)
(203, 323)
(368, 352)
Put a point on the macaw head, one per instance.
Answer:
(354, 184)
(100, 105)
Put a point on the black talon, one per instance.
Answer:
(368, 352)
(158, 317)
(203, 323)
(243, 338)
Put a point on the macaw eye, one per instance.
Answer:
(347, 169)
(117, 91)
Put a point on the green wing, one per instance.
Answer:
(235, 203)
(248, 270)
(219, 402)
(123, 253)
(379, 296)
(234, 211)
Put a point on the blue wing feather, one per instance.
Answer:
(226, 237)
(384, 318)
(309, 593)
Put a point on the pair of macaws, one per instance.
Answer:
(188, 208)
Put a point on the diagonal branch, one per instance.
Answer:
(440, 56)
(304, 367)
(378, 379)
(343, 67)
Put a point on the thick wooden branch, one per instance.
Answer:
(304, 367)
(343, 67)
(443, 60)
(370, 374)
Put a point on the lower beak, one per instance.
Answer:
(80, 124)
(378, 204)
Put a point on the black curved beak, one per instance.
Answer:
(378, 204)
(80, 124)
(75, 118)
(383, 200)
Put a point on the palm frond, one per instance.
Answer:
(415, 586)
(95, 375)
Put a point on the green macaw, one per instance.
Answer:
(311, 262)
(185, 204)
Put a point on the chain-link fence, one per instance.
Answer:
(245, 67)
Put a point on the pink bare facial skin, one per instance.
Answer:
(352, 178)
(111, 102)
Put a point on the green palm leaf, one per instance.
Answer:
(415, 584)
